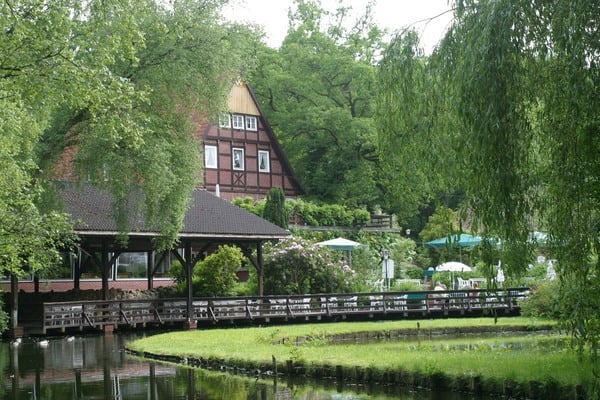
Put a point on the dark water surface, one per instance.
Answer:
(96, 367)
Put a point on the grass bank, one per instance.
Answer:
(501, 364)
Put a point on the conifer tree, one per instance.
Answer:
(275, 211)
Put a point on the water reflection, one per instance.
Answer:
(95, 367)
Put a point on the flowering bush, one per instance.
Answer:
(297, 266)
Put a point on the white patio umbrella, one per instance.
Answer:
(452, 267)
(340, 244)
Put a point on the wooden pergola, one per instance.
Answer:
(210, 221)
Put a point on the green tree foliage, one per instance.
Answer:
(29, 238)
(443, 222)
(520, 111)
(120, 82)
(417, 161)
(317, 90)
(275, 210)
(298, 266)
(30, 241)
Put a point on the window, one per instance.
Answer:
(210, 156)
(132, 265)
(263, 161)
(251, 123)
(88, 266)
(238, 121)
(238, 159)
(225, 120)
(64, 270)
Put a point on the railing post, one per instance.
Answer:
(108, 326)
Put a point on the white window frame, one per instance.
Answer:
(237, 121)
(264, 155)
(211, 157)
(240, 152)
(225, 120)
(251, 123)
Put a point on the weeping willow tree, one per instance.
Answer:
(118, 85)
(508, 107)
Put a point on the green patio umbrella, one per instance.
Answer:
(340, 244)
(462, 240)
(345, 245)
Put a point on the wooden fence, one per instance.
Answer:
(376, 305)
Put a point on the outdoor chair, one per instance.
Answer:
(200, 309)
(399, 302)
(350, 303)
(376, 303)
(462, 282)
(278, 306)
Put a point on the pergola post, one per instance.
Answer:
(260, 269)
(104, 264)
(77, 270)
(189, 268)
(151, 266)
(14, 306)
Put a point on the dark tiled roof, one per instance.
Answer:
(208, 216)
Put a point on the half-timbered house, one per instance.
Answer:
(242, 157)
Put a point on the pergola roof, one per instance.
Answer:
(209, 217)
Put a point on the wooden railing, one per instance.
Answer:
(382, 221)
(96, 314)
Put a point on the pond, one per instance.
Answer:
(96, 367)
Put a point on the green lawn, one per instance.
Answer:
(496, 357)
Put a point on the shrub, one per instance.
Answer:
(308, 212)
(405, 287)
(360, 217)
(414, 272)
(213, 276)
(328, 214)
(247, 203)
(177, 272)
(543, 302)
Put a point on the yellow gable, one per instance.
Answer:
(240, 100)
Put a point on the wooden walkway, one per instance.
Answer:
(276, 309)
